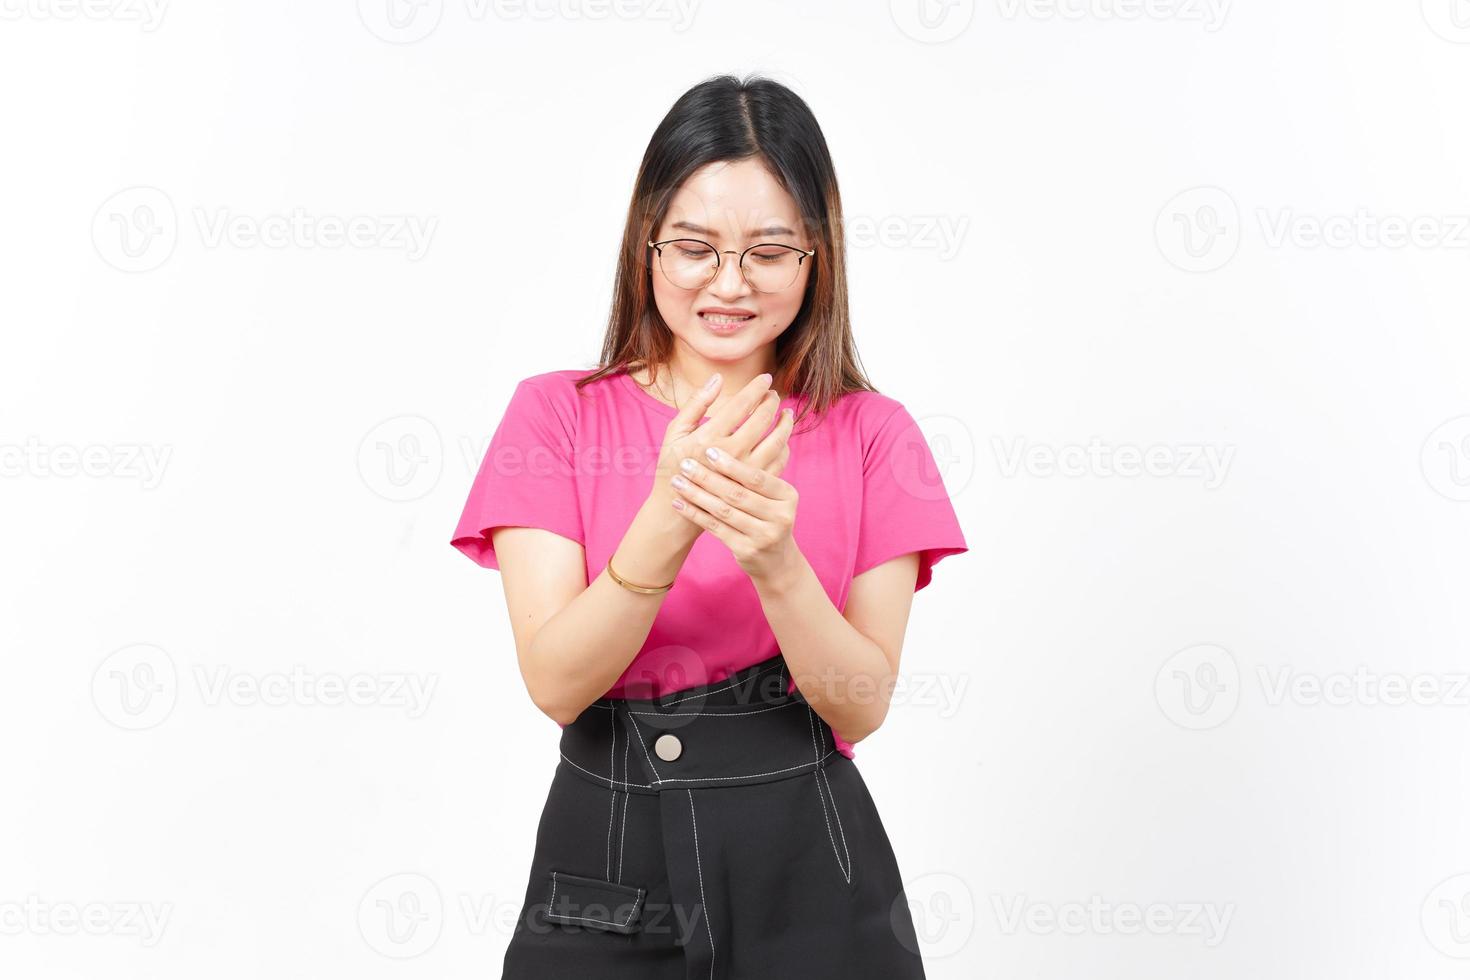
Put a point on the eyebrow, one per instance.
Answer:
(765, 232)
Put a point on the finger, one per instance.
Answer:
(768, 452)
(723, 422)
(724, 492)
(692, 411)
(768, 449)
(721, 510)
(780, 466)
(753, 478)
(702, 518)
(754, 428)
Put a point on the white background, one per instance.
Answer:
(1105, 225)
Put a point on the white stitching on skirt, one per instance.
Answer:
(605, 779)
(819, 776)
(653, 768)
(753, 775)
(700, 869)
(714, 714)
(659, 779)
(612, 800)
(611, 707)
(727, 686)
(623, 832)
(823, 773)
(582, 918)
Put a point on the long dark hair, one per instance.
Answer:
(725, 118)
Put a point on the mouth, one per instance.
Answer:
(724, 319)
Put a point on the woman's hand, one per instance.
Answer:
(748, 508)
(738, 428)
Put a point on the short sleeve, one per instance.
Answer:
(525, 480)
(905, 506)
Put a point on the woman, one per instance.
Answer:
(711, 650)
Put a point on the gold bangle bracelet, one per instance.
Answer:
(641, 589)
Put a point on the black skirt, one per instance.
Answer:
(715, 833)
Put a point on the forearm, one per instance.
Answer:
(842, 674)
(581, 651)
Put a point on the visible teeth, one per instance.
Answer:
(718, 318)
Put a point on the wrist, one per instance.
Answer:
(668, 524)
(784, 573)
(653, 549)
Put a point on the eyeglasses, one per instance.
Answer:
(689, 263)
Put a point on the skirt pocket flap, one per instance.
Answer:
(593, 902)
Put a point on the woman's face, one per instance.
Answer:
(731, 205)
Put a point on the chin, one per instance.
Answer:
(713, 349)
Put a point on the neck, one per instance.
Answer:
(687, 370)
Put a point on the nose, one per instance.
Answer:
(728, 281)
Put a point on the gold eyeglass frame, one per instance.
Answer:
(805, 254)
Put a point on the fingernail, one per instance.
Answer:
(711, 382)
(687, 465)
(765, 375)
(713, 454)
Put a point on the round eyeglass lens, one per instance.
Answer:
(691, 264)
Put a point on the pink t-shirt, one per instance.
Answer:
(582, 463)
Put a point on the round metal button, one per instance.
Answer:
(668, 747)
